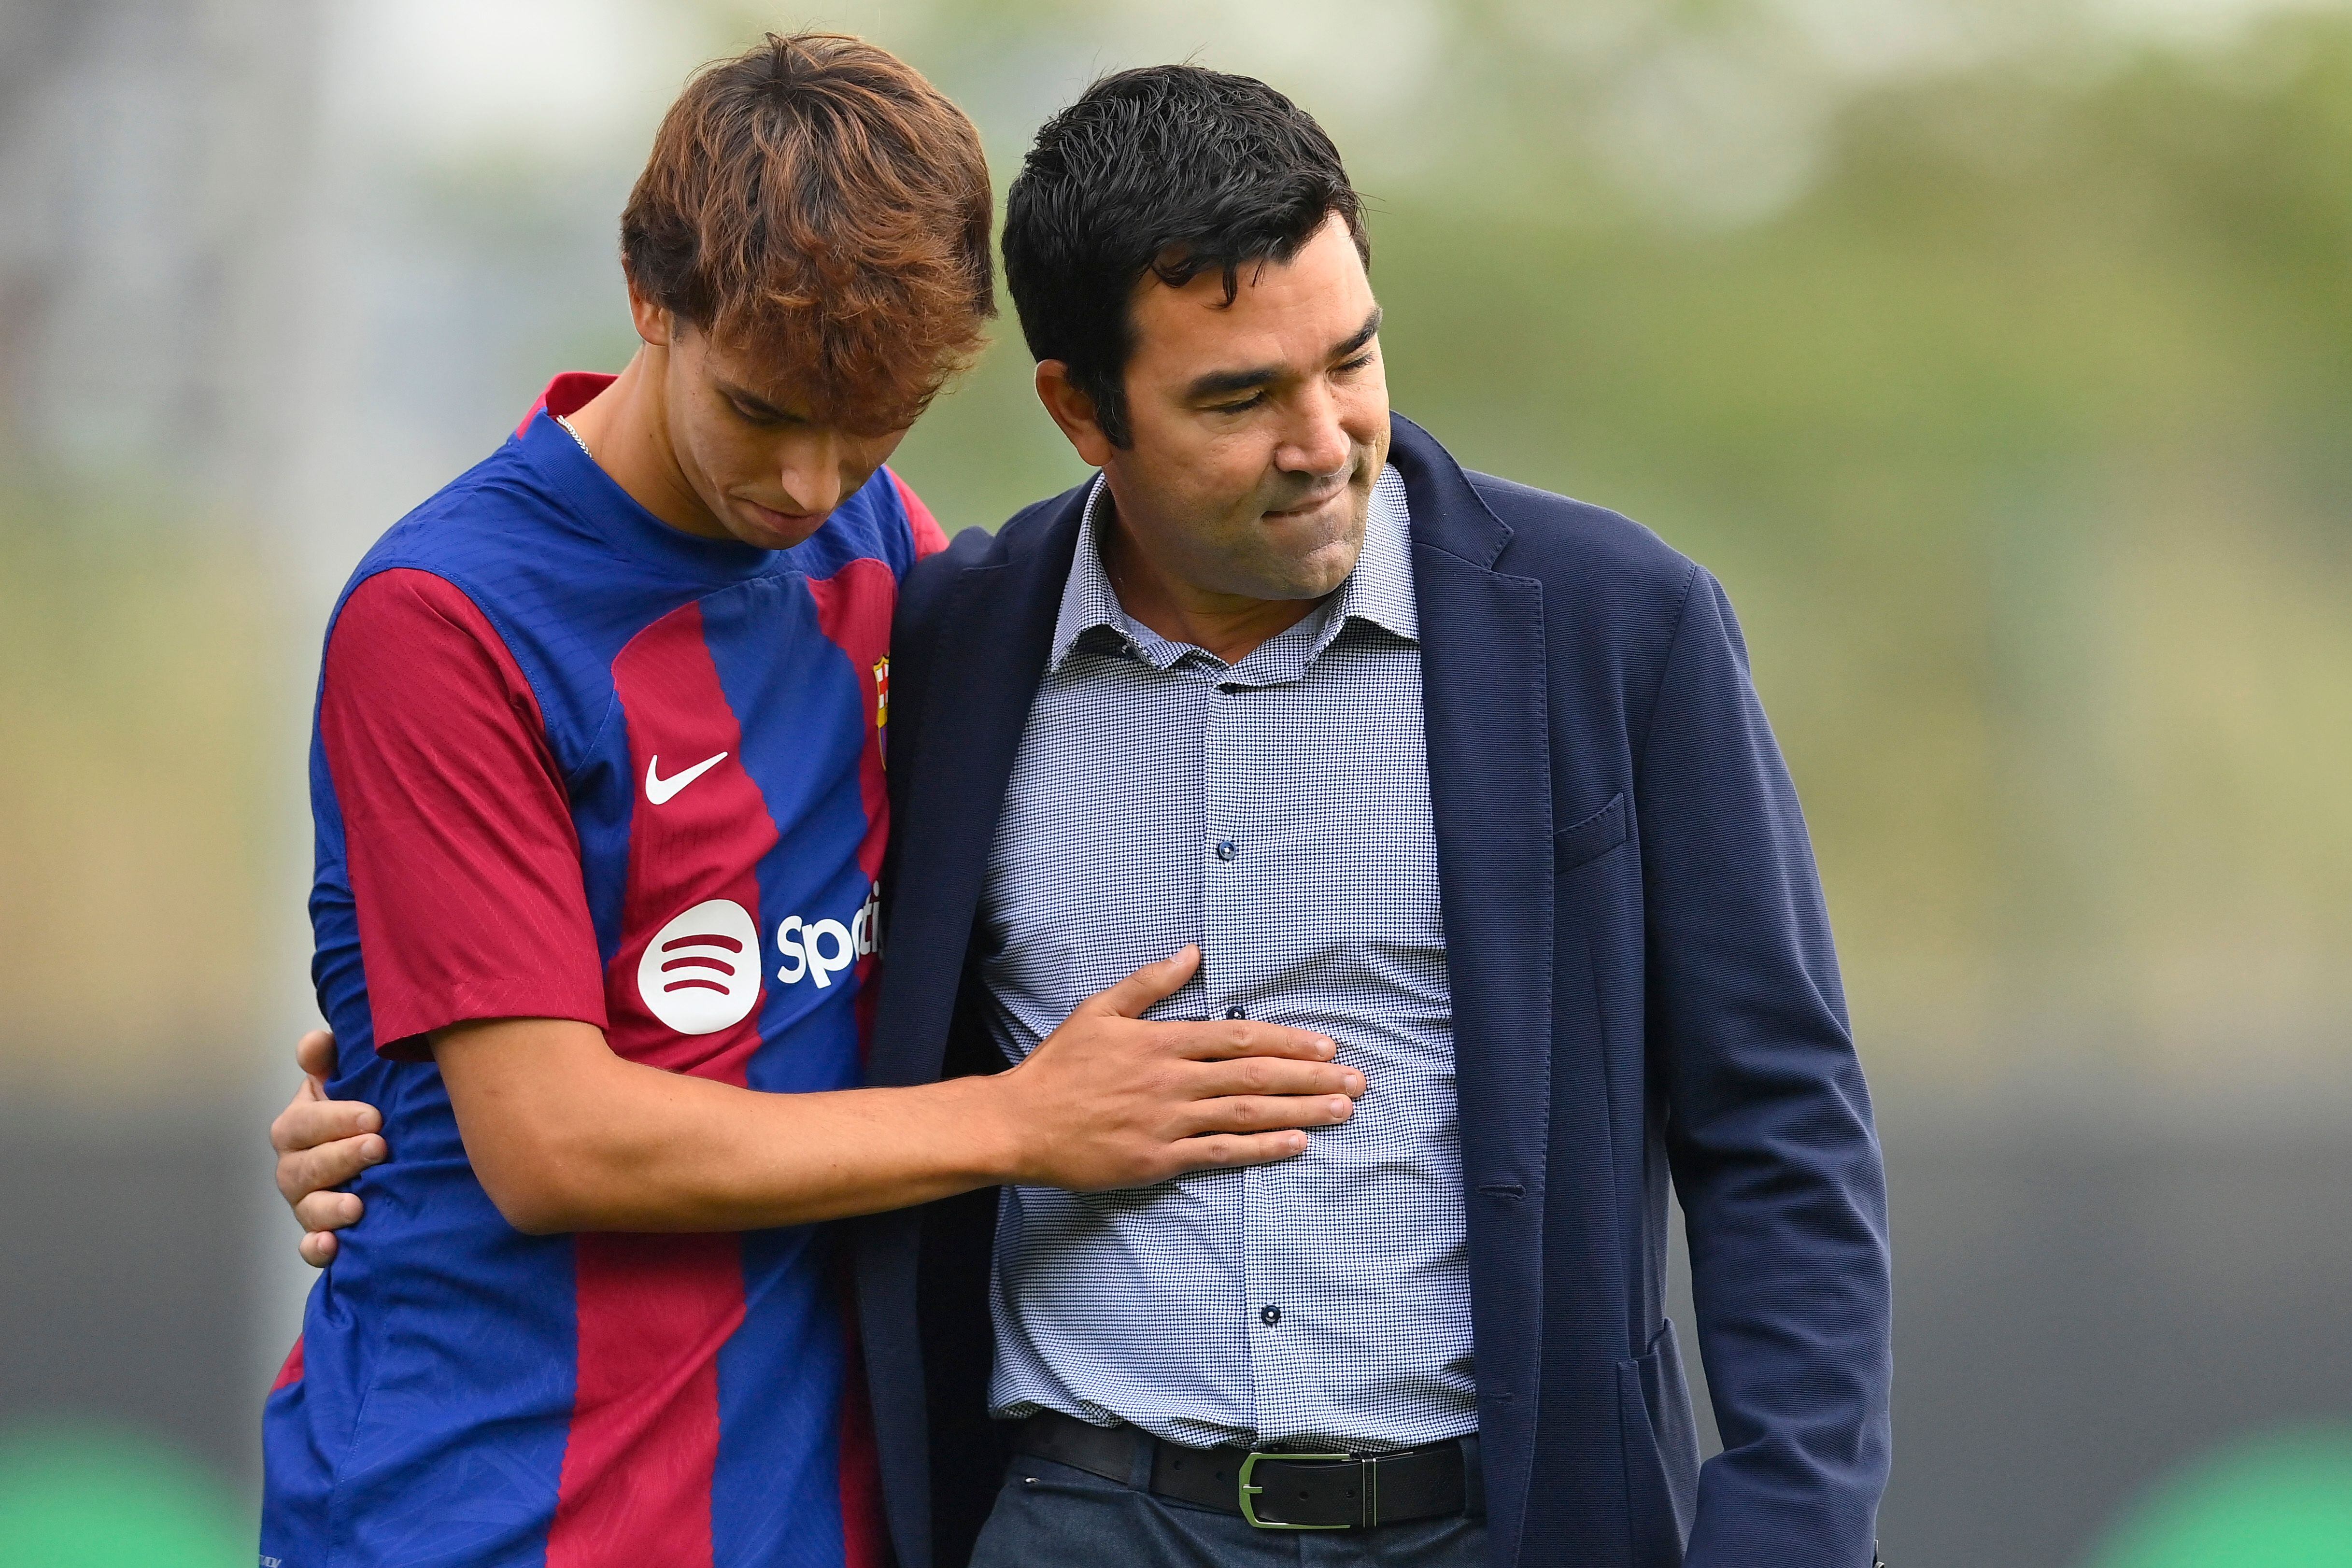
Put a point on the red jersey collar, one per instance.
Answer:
(569, 393)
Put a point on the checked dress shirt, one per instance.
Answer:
(1276, 811)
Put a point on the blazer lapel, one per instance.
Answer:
(978, 662)
(986, 659)
(1488, 720)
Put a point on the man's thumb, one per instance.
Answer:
(315, 1054)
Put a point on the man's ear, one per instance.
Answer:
(655, 324)
(1074, 410)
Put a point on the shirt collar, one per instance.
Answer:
(1088, 601)
(1378, 590)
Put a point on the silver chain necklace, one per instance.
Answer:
(573, 434)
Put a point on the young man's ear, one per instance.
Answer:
(655, 324)
(1074, 410)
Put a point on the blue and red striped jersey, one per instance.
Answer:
(570, 762)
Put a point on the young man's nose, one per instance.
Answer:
(811, 475)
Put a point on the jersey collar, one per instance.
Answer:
(611, 511)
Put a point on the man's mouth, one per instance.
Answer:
(1311, 504)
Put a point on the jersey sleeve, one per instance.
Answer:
(464, 862)
(930, 537)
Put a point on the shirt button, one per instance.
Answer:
(1227, 849)
(1236, 1013)
(1269, 1316)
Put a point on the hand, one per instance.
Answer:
(1112, 1100)
(323, 1144)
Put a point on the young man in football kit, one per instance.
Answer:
(598, 780)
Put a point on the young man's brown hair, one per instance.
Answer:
(817, 203)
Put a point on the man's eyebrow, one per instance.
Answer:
(1363, 335)
(1222, 383)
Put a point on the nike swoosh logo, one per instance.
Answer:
(660, 791)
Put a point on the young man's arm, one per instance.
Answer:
(565, 1135)
(472, 922)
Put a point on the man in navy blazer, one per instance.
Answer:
(1641, 979)
(1469, 778)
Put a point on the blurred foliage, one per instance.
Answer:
(2020, 434)
(1997, 356)
(140, 669)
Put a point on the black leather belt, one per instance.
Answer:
(1273, 1491)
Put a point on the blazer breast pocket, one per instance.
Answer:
(1591, 838)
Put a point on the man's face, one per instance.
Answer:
(1257, 429)
(744, 445)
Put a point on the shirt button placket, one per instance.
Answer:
(1225, 927)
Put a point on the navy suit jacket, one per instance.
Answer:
(1643, 985)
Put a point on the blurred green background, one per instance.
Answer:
(1997, 355)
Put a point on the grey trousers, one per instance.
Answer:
(1049, 1515)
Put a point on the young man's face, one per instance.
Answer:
(768, 473)
(1257, 429)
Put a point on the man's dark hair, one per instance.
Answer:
(1170, 171)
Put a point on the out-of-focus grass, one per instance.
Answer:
(2281, 1499)
(88, 1497)
(138, 651)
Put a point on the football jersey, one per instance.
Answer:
(572, 762)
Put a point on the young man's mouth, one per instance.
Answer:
(795, 526)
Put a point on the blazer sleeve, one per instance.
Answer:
(1769, 1129)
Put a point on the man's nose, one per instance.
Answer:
(1316, 443)
(810, 473)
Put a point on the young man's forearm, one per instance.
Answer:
(565, 1135)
